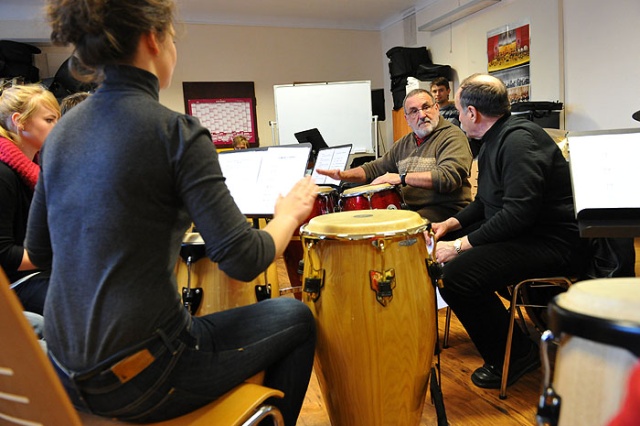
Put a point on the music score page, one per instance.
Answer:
(257, 177)
(331, 158)
(604, 170)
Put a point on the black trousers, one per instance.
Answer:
(472, 279)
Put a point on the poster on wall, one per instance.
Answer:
(225, 118)
(508, 50)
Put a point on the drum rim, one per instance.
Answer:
(351, 192)
(624, 334)
(363, 236)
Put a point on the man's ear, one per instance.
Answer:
(473, 113)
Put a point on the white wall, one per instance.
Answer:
(591, 65)
(273, 56)
(265, 55)
(602, 63)
(595, 53)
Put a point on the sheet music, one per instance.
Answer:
(603, 170)
(331, 158)
(255, 178)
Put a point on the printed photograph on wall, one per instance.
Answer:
(508, 50)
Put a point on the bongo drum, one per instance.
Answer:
(366, 282)
(370, 197)
(597, 325)
(206, 289)
(326, 202)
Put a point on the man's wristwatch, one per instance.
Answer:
(457, 245)
(403, 179)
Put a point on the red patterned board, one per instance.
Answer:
(225, 118)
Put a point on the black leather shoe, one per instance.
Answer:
(489, 376)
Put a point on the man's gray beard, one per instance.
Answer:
(424, 133)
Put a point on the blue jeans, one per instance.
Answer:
(220, 351)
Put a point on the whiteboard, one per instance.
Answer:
(341, 111)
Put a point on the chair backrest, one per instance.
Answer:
(30, 391)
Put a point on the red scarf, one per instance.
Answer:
(11, 155)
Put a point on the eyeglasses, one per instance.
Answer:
(415, 111)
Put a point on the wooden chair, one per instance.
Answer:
(518, 302)
(31, 393)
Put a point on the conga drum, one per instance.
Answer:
(366, 282)
(597, 325)
(371, 197)
(207, 289)
(326, 202)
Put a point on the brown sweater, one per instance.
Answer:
(446, 154)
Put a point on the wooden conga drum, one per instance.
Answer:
(214, 289)
(597, 325)
(366, 282)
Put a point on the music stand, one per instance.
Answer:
(316, 140)
(603, 169)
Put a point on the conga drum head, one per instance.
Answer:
(366, 189)
(359, 224)
(614, 299)
(598, 323)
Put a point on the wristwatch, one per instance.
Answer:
(457, 245)
(403, 179)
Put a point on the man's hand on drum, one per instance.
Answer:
(390, 178)
(298, 203)
(332, 173)
(444, 249)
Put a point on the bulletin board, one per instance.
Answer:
(225, 118)
(226, 108)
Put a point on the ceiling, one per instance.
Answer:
(336, 14)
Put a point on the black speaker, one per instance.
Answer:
(377, 104)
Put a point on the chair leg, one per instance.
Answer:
(264, 412)
(507, 349)
(447, 324)
(522, 321)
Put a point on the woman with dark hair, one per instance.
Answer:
(122, 182)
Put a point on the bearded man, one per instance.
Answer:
(431, 164)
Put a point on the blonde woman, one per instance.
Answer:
(27, 114)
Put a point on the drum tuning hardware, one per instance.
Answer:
(313, 285)
(435, 272)
(191, 299)
(549, 404)
(263, 292)
(383, 284)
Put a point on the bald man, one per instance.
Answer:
(520, 225)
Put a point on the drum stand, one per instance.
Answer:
(435, 387)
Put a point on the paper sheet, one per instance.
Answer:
(331, 158)
(255, 178)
